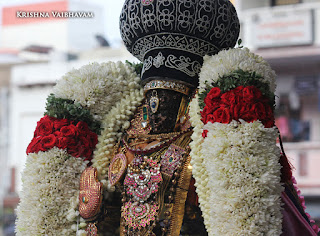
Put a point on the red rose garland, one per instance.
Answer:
(51, 132)
(246, 103)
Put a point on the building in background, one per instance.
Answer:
(287, 34)
(34, 53)
(66, 34)
(8, 195)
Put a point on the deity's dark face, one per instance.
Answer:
(164, 119)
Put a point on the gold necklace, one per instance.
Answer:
(168, 139)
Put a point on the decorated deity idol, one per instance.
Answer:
(182, 144)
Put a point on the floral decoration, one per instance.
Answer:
(235, 79)
(245, 189)
(50, 182)
(246, 103)
(227, 62)
(67, 109)
(97, 98)
(76, 138)
(235, 160)
(197, 160)
(113, 125)
(98, 86)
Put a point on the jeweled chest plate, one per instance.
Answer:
(139, 215)
(92, 230)
(140, 184)
(171, 159)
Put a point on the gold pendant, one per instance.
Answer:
(117, 167)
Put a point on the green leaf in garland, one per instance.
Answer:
(137, 66)
(66, 109)
(239, 43)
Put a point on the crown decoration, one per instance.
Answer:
(164, 84)
(171, 37)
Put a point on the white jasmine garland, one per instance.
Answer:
(199, 172)
(242, 161)
(98, 86)
(81, 233)
(114, 124)
(228, 61)
(50, 180)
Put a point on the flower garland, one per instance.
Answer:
(244, 164)
(236, 167)
(197, 160)
(98, 86)
(65, 138)
(76, 138)
(227, 62)
(245, 103)
(48, 176)
(67, 109)
(114, 124)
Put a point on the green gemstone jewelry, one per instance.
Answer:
(85, 200)
(145, 116)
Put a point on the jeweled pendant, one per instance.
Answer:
(92, 230)
(154, 102)
(117, 168)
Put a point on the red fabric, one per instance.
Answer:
(192, 197)
(286, 170)
(293, 223)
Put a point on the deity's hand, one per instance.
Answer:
(90, 196)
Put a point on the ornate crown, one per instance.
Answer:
(171, 37)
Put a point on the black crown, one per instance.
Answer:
(171, 37)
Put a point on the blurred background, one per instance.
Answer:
(35, 52)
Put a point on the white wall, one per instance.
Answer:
(312, 150)
(63, 34)
(4, 109)
(249, 4)
(48, 33)
(26, 108)
(82, 31)
(310, 1)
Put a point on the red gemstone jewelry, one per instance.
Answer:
(92, 230)
(139, 215)
(140, 184)
(171, 159)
